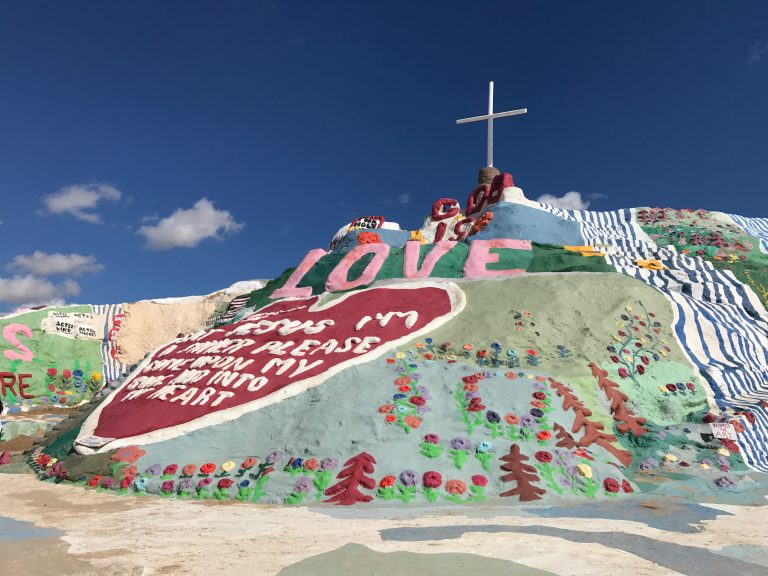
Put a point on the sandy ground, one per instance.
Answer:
(81, 532)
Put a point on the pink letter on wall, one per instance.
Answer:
(289, 289)
(480, 256)
(411, 258)
(9, 333)
(338, 278)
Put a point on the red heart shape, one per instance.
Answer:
(275, 353)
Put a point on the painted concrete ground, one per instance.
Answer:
(99, 533)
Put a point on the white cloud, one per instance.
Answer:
(187, 228)
(569, 201)
(404, 198)
(26, 289)
(81, 200)
(42, 264)
(757, 52)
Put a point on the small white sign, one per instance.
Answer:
(723, 431)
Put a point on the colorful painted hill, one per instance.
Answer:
(507, 349)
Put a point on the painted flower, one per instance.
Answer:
(724, 482)
(455, 487)
(302, 485)
(67, 374)
(141, 483)
(153, 470)
(543, 456)
(96, 376)
(471, 387)
(167, 486)
(511, 419)
(273, 457)
(544, 435)
(432, 479)
(528, 421)
(467, 347)
(77, 373)
(536, 413)
(205, 482)
(432, 438)
(584, 470)
(627, 487)
(483, 447)
(538, 404)
(52, 372)
(482, 353)
(296, 463)
(479, 480)
(310, 464)
(417, 400)
(329, 464)
(249, 463)
(511, 375)
(390, 418)
(244, 484)
(461, 444)
(189, 469)
(412, 421)
(386, 408)
(475, 405)
(400, 355)
(539, 395)
(126, 482)
(128, 454)
(387, 481)
(428, 356)
(207, 468)
(170, 470)
(185, 485)
(408, 477)
(398, 396)
(402, 381)
(107, 483)
(623, 372)
(225, 483)
(611, 485)
(492, 417)
(404, 389)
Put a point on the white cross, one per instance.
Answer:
(490, 116)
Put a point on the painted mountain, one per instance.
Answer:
(506, 350)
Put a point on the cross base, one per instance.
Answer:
(487, 174)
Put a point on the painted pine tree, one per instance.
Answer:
(346, 491)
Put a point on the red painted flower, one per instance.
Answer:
(207, 468)
(67, 374)
(544, 435)
(412, 421)
(390, 360)
(455, 487)
(403, 381)
(386, 408)
(404, 389)
(390, 418)
(129, 470)
(611, 485)
(511, 419)
(51, 372)
(225, 483)
(640, 369)
(729, 445)
(368, 238)
(471, 379)
(249, 463)
(189, 469)
(479, 480)
(311, 464)
(417, 400)
(623, 372)
(627, 487)
(645, 360)
(707, 418)
(171, 470)
(543, 456)
(511, 375)
(471, 387)
(387, 481)
(673, 388)
(539, 395)
(615, 359)
(537, 404)
(129, 454)
(481, 354)
(432, 479)
(94, 481)
(126, 482)
(428, 356)
(531, 352)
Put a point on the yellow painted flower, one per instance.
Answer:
(723, 452)
(529, 376)
(417, 236)
(663, 352)
(52, 462)
(584, 470)
(628, 307)
(399, 355)
(704, 466)
(450, 357)
(228, 465)
(628, 357)
(96, 376)
(670, 457)
(663, 389)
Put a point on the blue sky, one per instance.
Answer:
(153, 149)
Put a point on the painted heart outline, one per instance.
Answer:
(280, 343)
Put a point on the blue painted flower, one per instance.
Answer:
(484, 447)
(399, 396)
(77, 373)
(141, 483)
(680, 386)
(297, 463)
(536, 413)
(428, 340)
(401, 409)
(413, 365)
(496, 346)
(245, 483)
